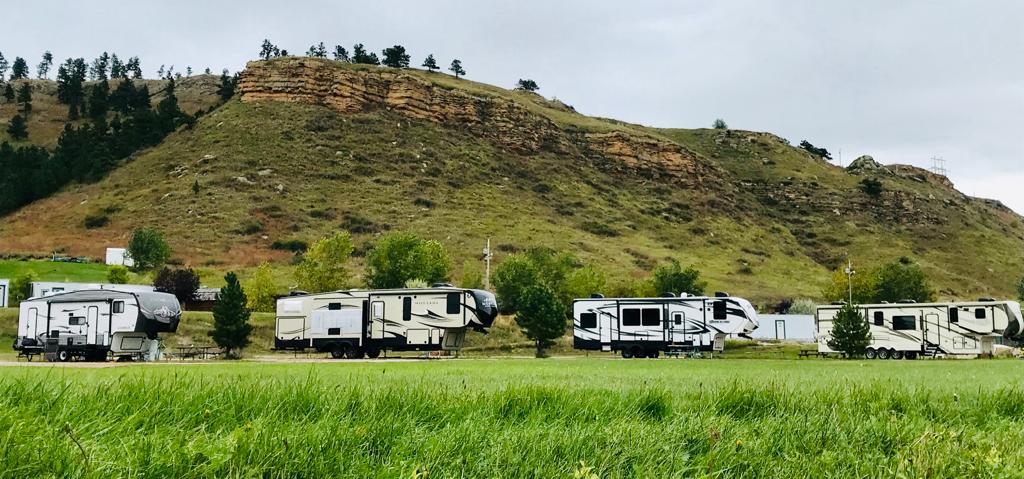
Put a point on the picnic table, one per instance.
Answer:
(806, 353)
(194, 352)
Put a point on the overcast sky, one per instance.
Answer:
(902, 81)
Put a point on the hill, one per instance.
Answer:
(311, 145)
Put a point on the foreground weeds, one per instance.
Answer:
(424, 420)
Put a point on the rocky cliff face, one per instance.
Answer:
(507, 122)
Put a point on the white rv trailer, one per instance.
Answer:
(908, 330)
(89, 324)
(47, 288)
(355, 323)
(644, 327)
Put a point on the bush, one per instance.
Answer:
(21, 287)
(293, 245)
(356, 224)
(117, 274)
(803, 306)
(250, 227)
(182, 283)
(148, 249)
(871, 187)
(96, 220)
(1020, 289)
(600, 229)
(423, 202)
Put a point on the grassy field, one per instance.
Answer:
(516, 418)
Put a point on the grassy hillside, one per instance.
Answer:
(771, 221)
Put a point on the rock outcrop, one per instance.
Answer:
(513, 125)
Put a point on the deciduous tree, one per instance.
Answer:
(261, 290)
(671, 277)
(527, 85)
(21, 287)
(148, 249)
(542, 317)
(399, 257)
(182, 283)
(324, 265)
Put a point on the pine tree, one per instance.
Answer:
(44, 66)
(117, 69)
(268, 50)
(160, 72)
(207, 71)
(341, 54)
(226, 90)
(456, 68)
(8, 93)
(188, 71)
(3, 67)
(17, 128)
(851, 332)
(19, 71)
(99, 95)
(231, 328)
(360, 56)
(430, 64)
(317, 51)
(134, 66)
(25, 98)
(100, 67)
(395, 57)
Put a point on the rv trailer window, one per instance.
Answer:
(118, 307)
(904, 323)
(588, 320)
(652, 317)
(76, 321)
(378, 310)
(334, 331)
(678, 319)
(454, 303)
(954, 315)
(631, 317)
(879, 318)
(720, 311)
(334, 307)
(979, 313)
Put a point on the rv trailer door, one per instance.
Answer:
(92, 323)
(604, 326)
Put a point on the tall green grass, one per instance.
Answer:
(490, 418)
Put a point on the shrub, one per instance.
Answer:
(719, 124)
(21, 287)
(250, 227)
(96, 220)
(117, 274)
(293, 245)
(182, 283)
(424, 202)
(803, 306)
(871, 187)
(600, 229)
(671, 277)
(356, 224)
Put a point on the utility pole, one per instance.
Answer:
(939, 166)
(849, 276)
(486, 259)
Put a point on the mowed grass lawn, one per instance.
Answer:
(516, 418)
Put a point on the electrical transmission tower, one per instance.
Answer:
(939, 166)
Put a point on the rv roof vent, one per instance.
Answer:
(297, 293)
(987, 300)
(597, 296)
(906, 301)
(441, 285)
(684, 295)
(721, 294)
(668, 294)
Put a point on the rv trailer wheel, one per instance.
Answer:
(338, 352)
(373, 353)
(896, 355)
(870, 353)
(627, 354)
(638, 353)
(883, 353)
(910, 355)
(63, 355)
(653, 353)
(354, 353)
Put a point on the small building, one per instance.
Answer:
(119, 257)
(203, 300)
(47, 288)
(5, 286)
(785, 327)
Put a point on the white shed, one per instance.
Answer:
(5, 286)
(119, 256)
(785, 327)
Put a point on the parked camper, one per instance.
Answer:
(645, 327)
(91, 324)
(909, 330)
(355, 323)
(47, 288)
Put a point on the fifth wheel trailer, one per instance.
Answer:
(91, 324)
(909, 330)
(644, 327)
(355, 323)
